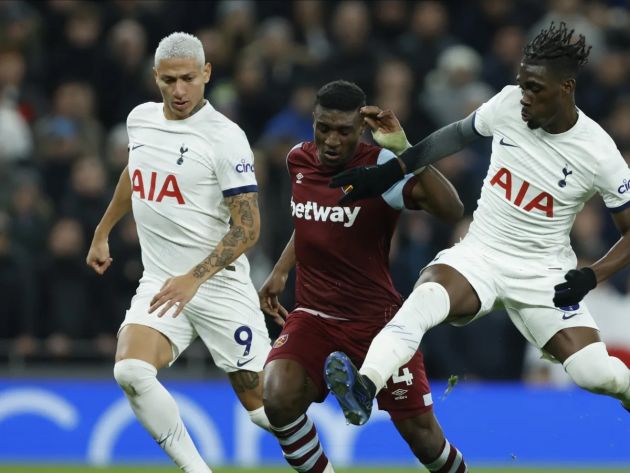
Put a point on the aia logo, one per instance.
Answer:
(565, 170)
(542, 201)
(166, 187)
(244, 166)
(182, 150)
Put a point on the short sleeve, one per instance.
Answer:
(612, 180)
(485, 116)
(234, 165)
(394, 195)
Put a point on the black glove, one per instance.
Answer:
(579, 282)
(367, 181)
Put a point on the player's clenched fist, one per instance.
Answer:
(98, 256)
(268, 295)
(175, 291)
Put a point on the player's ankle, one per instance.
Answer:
(370, 385)
(373, 379)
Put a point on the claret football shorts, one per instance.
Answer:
(308, 339)
(523, 286)
(225, 314)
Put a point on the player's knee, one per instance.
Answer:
(593, 369)
(281, 402)
(430, 301)
(134, 376)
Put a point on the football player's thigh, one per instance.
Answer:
(469, 279)
(306, 340)
(529, 304)
(233, 329)
(407, 394)
(145, 336)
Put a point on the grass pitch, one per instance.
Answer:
(384, 469)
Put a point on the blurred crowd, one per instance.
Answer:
(71, 70)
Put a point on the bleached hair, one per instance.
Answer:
(180, 45)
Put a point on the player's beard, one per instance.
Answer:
(533, 124)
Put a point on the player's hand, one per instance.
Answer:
(386, 129)
(268, 296)
(175, 291)
(368, 181)
(98, 255)
(579, 283)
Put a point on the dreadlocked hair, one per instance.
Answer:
(556, 46)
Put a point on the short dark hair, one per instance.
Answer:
(556, 47)
(341, 95)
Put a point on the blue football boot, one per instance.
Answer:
(352, 390)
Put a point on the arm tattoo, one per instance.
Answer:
(236, 239)
(235, 236)
(244, 381)
(245, 206)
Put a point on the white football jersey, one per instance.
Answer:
(537, 182)
(180, 171)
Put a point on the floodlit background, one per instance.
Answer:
(70, 71)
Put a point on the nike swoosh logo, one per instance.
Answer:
(570, 316)
(136, 147)
(239, 364)
(502, 142)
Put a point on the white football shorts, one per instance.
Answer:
(225, 314)
(523, 286)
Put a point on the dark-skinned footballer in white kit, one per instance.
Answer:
(548, 158)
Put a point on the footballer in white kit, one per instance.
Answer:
(190, 183)
(548, 158)
(517, 248)
(180, 171)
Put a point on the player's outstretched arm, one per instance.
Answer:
(580, 281)
(371, 181)
(243, 234)
(275, 283)
(431, 191)
(98, 257)
(440, 144)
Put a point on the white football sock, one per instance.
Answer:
(258, 417)
(157, 411)
(593, 369)
(427, 306)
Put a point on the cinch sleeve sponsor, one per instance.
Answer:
(613, 180)
(393, 196)
(485, 116)
(234, 164)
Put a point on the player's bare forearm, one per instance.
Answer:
(119, 206)
(435, 194)
(286, 262)
(439, 144)
(243, 234)
(618, 256)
